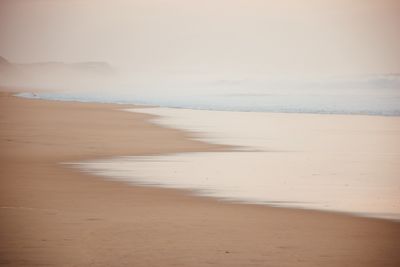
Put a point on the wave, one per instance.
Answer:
(367, 95)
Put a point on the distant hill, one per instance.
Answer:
(3, 61)
(52, 73)
(90, 66)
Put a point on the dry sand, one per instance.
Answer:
(52, 215)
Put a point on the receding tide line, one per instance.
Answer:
(339, 163)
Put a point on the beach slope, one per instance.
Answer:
(53, 215)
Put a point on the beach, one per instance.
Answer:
(53, 215)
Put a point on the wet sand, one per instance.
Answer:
(55, 216)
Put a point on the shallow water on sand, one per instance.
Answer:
(340, 163)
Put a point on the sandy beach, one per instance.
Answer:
(52, 215)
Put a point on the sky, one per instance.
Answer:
(299, 37)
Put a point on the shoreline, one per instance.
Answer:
(197, 193)
(56, 215)
(336, 163)
(146, 105)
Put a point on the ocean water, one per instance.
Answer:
(346, 162)
(334, 163)
(370, 95)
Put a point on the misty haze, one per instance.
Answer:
(199, 133)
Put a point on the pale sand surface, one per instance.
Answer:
(52, 215)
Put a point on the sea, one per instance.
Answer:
(322, 145)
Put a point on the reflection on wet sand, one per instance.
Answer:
(327, 162)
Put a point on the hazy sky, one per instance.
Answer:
(228, 36)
